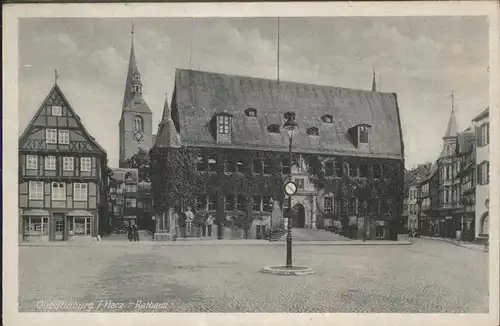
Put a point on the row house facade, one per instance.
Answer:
(411, 210)
(481, 123)
(123, 197)
(428, 202)
(346, 139)
(62, 178)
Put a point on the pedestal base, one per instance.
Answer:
(283, 270)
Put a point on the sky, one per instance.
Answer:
(421, 59)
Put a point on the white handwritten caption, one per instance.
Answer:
(59, 305)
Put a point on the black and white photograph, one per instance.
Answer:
(332, 164)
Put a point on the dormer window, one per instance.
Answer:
(224, 124)
(313, 131)
(273, 129)
(327, 118)
(364, 134)
(251, 112)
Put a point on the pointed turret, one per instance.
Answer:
(374, 83)
(167, 135)
(452, 128)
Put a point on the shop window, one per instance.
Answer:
(328, 204)
(80, 225)
(36, 226)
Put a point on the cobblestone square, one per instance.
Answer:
(426, 277)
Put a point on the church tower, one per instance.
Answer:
(136, 122)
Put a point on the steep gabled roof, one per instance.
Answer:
(485, 113)
(199, 95)
(57, 97)
(452, 128)
(416, 175)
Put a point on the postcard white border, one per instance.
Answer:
(12, 13)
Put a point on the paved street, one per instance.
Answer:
(428, 276)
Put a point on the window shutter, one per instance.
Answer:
(487, 126)
(479, 181)
(478, 136)
(488, 172)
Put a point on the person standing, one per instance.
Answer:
(189, 216)
(130, 232)
(136, 233)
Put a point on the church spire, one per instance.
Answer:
(452, 128)
(374, 82)
(133, 84)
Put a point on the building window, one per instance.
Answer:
(483, 173)
(130, 202)
(64, 137)
(58, 191)
(267, 166)
(85, 164)
(212, 202)
(352, 206)
(31, 162)
(251, 112)
(56, 110)
(50, 163)
(138, 123)
(327, 118)
(240, 203)
(229, 166)
(299, 183)
(363, 170)
(80, 192)
(130, 188)
(257, 165)
(313, 131)
(68, 163)
(385, 172)
(212, 163)
(266, 204)
(353, 171)
(80, 225)
(240, 166)
(483, 137)
(273, 129)
(361, 207)
(330, 169)
(51, 136)
(36, 190)
(328, 204)
(201, 164)
(224, 124)
(363, 134)
(137, 77)
(257, 204)
(36, 226)
(229, 203)
(201, 202)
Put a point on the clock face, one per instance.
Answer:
(138, 136)
(290, 188)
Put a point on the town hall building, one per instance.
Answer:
(348, 152)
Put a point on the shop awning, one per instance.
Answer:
(36, 212)
(80, 213)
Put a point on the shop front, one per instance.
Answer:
(35, 225)
(79, 225)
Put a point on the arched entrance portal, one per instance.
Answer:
(299, 219)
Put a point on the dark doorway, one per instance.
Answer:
(299, 220)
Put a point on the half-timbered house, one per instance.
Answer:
(62, 175)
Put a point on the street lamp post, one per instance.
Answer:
(290, 126)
